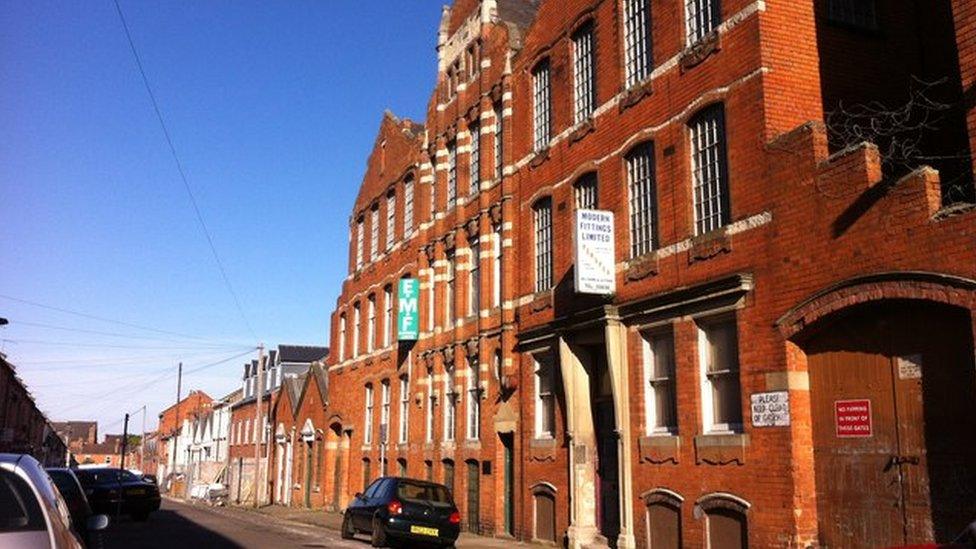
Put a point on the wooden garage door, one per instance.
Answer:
(889, 387)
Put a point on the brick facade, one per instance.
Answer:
(805, 237)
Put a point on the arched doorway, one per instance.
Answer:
(892, 387)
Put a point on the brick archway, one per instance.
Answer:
(912, 285)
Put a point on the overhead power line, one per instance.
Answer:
(182, 172)
(132, 389)
(99, 332)
(111, 361)
(96, 317)
(112, 346)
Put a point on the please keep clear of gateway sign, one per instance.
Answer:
(593, 252)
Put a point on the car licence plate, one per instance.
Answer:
(136, 492)
(423, 530)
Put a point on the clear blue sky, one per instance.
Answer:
(273, 108)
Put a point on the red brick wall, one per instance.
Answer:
(802, 222)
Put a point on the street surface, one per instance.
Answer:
(185, 526)
(182, 526)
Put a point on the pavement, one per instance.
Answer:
(183, 525)
(332, 521)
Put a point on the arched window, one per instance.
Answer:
(544, 512)
(371, 324)
(663, 514)
(390, 219)
(387, 315)
(408, 206)
(710, 180)
(585, 191)
(637, 42)
(368, 419)
(541, 106)
(356, 318)
(643, 198)
(542, 229)
(584, 85)
(726, 526)
(342, 337)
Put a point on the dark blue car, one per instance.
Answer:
(396, 509)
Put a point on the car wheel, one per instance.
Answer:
(347, 531)
(140, 517)
(378, 539)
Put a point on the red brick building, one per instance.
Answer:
(283, 366)
(24, 429)
(170, 425)
(785, 356)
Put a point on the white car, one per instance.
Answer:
(32, 513)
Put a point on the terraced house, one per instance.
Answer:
(669, 291)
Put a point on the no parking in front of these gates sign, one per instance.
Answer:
(852, 418)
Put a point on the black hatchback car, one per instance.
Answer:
(117, 491)
(73, 494)
(403, 509)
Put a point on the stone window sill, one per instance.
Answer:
(721, 448)
(659, 448)
(542, 442)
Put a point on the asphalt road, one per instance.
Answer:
(182, 526)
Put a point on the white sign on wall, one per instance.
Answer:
(593, 252)
(771, 409)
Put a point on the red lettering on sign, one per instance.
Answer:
(853, 418)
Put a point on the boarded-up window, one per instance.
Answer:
(727, 529)
(663, 526)
(725, 521)
(545, 515)
(367, 473)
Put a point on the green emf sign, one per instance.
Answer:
(408, 317)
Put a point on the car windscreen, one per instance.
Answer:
(423, 493)
(66, 484)
(19, 508)
(90, 477)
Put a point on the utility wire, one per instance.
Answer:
(135, 387)
(111, 361)
(108, 346)
(182, 172)
(95, 317)
(100, 380)
(97, 332)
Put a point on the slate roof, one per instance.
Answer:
(301, 353)
(293, 386)
(233, 396)
(74, 429)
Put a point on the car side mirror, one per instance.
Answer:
(359, 495)
(96, 523)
